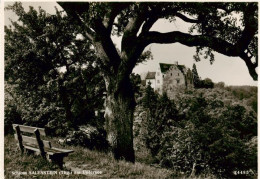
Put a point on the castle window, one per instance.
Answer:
(171, 74)
(178, 81)
(163, 76)
(178, 74)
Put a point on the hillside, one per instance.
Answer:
(211, 130)
(82, 160)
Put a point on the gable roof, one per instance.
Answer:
(181, 68)
(165, 67)
(150, 75)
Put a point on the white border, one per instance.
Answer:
(2, 66)
(2, 89)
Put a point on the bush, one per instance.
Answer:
(29, 108)
(88, 136)
(206, 83)
(160, 118)
(12, 116)
(203, 133)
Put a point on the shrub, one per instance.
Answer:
(203, 133)
(12, 116)
(159, 118)
(88, 136)
(207, 83)
(11, 113)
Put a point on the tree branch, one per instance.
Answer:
(89, 33)
(116, 8)
(76, 10)
(186, 19)
(250, 65)
(101, 36)
(251, 27)
(149, 23)
(133, 26)
(216, 44)
(129, 40)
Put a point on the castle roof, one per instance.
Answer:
(165, 67)
(150, 75)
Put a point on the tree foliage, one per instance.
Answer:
(53, 75)
(228, 28)
(162, 115)
(247, 94)
(196, 77)
(198, 83)
(207, 131)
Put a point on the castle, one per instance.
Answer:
(169, 77)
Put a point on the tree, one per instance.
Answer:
(196, 76)
(198, 83)
(210, 134)
(207, 83)
(162, 113)
(214, 29)
(54, 72)
(136, 83)
(150, 98)
(220, 85)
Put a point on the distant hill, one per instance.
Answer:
(245, 93)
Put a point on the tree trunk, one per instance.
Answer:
(120, 101)
(67, 105)
(119, 112)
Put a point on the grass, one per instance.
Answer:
(82, 160)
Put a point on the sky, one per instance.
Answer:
(230, 70)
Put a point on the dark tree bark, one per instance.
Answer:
(120, 101)
(119, 120)
(66, 103)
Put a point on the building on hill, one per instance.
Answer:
(150, 78)
(169, 77)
